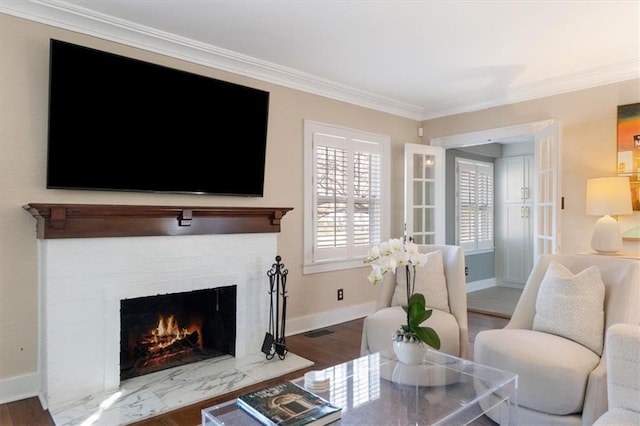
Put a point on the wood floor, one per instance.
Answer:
(341, 345)
(498, 301)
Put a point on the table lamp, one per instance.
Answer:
(605, 197)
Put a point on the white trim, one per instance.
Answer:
(313, 264)
(325, 319)
(19, 387)
(481, 284)
(78, 19)
(85, 21)
(600, 76)
(498, 135)
(477, 244)
(439, 179)
(332, 265)
(481, 251)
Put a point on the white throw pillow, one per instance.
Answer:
(572, 306)
(430, 281)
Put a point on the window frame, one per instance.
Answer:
(477, 245)
(353, 137)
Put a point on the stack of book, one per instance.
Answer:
(288, 404)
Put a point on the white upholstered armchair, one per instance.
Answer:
(451, 326)
(555, 338)
(623, 376)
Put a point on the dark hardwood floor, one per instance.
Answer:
(342, 345)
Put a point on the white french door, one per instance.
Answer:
(546, 215)
(424, 194)
(547, 163)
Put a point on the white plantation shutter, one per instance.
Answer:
(474, 204)
(332, 197)
(366, 199)
(484, 205)
(348, 194)
(466, 204)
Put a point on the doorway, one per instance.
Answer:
(537, 146)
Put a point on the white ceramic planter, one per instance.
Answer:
(409, 353)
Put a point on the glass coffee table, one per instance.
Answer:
(377, 389)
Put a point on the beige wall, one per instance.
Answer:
(588, 138)
(588, 119)
(23, 124)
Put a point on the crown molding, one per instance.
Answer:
(610, 74)
(67, 16)
(70, 17)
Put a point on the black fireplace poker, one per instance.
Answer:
(274, 339)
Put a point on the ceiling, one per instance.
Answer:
(420, 59)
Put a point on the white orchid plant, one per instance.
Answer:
(387, 257)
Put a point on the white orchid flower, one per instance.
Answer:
(419, 259)
(388, 264)
(396, 245)
(411, 248)
(402, 258)
(375, 275)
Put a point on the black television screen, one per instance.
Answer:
(120, 124)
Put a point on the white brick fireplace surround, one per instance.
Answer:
(83, 281)
(90, 257)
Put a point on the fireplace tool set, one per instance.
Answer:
(274, 340)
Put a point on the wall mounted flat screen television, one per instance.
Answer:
(120, 124)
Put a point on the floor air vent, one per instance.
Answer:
(317, 333)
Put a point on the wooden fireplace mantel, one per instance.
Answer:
(109, 220)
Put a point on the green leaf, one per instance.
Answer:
(428, 335)
(418, 317)
(415, 309)
(417, 298)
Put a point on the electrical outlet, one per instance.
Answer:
(340, 294)
(466, 271)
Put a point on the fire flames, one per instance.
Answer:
(167, 333)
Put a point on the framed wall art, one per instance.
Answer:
(629, 148)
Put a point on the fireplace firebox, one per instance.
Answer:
(165, 331)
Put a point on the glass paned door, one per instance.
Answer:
(546, 213)
(424, 193)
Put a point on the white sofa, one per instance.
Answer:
(560, 381)
(451, 326)
(623, 376)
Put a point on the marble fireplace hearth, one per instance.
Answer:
(92, 257)
(156, 393)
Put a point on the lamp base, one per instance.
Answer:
(606, 236)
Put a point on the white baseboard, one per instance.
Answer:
(325, 319)
(19, 387)
(481, 284)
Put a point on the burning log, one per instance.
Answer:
(168, 345)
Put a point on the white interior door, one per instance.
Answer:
(424, 195)
(546, 214)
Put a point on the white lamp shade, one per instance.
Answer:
(609, 195)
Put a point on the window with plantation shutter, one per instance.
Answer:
(474, 204)
(346, 195)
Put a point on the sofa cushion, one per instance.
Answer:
(380, 325)
(430, 281)
(553, 371)
(619, 417)
(572, 306)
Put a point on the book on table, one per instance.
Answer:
(288, 404)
